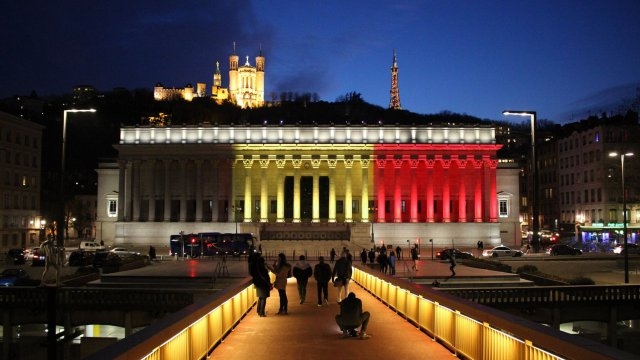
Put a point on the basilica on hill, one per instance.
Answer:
(246, 85)
(309, 188)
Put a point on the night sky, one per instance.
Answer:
(564, 59)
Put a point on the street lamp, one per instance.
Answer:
(624, 213)
(62, 223)
(535, 221)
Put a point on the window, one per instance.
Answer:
(355, 206)
(504, 203)
(339, 207)
(112, 208)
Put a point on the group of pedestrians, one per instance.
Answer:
(351, 315)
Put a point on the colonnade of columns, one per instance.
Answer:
(439, 184)
(403, 188)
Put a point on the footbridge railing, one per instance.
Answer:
(475, 331)
(470, 330)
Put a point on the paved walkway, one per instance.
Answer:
(310, 332)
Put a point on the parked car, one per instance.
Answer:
(123, 252)
(501, 250)
(562, 249)
(90, 246)
(15, 277)
(29, 253)
(446, 253)
(15, 256)
(632, 248)
(81, 258)
(37, 257)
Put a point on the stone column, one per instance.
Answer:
(280, 163)
(296, 190)
(264, 190)
(348, 191)
(183, 195)
(462, 192)
(232, 212)
(493, 192)
(446, 190)
(151, 182)
(199, 185)
(397, 192)
(135, 189)
(364, 207)
(381, 163)
(414, 190)
(477, 197)
(167, 190)
(430, 210)
(315, 163)
(332, 189)
(248, 206)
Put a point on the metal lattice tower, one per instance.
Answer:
(394, 102)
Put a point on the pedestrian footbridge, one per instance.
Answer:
(408, 321)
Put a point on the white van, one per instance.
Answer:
(90, 246)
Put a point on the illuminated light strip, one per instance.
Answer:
(307, 135)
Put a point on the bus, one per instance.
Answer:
(210, 244)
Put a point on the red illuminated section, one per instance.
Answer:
(435, 183)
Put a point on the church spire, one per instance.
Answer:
(394, 102)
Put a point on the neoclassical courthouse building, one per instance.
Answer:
(311, 187)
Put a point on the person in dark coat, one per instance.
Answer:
(332, 255)
(363, 256)
(383, 261)
(341, 275)
(261, 281)
(351, 317)
(322, 274)
(372, 256)
(398, 252)
(302, 272)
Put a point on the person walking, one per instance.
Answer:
(261, 281)
(372, 256)
(452, 262)
(392, 263)
(414, 257)
(341, 275)
(351, 317)
(383, 261)
(302, 272)
(282, 270)
(332, 255)
(398, 252)
(363, 256)
(322, 274)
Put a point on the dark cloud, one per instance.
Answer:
(608, 100)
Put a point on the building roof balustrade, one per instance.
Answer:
(359, 135)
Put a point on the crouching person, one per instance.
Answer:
(351, 317)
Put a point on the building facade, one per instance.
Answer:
(387, 185)
(20, 182)
(590, 193)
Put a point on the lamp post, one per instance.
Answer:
(535, 212)
(624, 213)
(62, 223)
